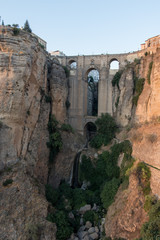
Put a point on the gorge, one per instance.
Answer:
(37, 150)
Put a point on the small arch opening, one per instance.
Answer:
(92, 92)
(73, 64)
(90, 130)
(114, 64)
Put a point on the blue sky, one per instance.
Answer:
(87, 26)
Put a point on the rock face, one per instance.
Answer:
(122, 98)
(24, 115)
(63, 163)
(59, 91)
(126, 215)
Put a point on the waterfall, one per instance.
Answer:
(74, 181)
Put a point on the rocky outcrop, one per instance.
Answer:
(62, 166)
(24, 115)
(59, 91)
(122, 97)
(126, 215)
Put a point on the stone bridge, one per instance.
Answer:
(78, 84)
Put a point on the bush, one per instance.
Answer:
(33, 231)
(152, 137)
(109, 191)
(151, 229)
(67, 71)
(79, 199)
(48, 99)
(67, 104)
(116, 78)
(144, 174)
(64, 229)
(149, 72)
(55, 140)
(106, 128)
(90, 216)
(139, 84)
(67, 128)
(16, 31)
(7, 182)
(51, 194)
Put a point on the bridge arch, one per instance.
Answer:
(114, 63)
(90, 130)
(92, 77)
(72, 64)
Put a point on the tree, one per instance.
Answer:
(27, 27)
(2, 22)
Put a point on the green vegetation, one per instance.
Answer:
(137, 61)
(117, 102)
(33, 231)
(139, 84)
(91, 216)
(27, 27)
(55, 140)
(144, 174)
(67, 104)
(109, 191)
(64, 229)
(48, 99)
(106, 128)
(116, 78)
(15, 29)
(149, 72)
(104, 177)
(7, 182)
(151, 229)
(67, 71)
(67, 128)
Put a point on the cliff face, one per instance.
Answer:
(126, 215)
(24, 115)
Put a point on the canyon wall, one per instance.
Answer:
(26, 77)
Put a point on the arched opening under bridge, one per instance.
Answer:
(92, 92)
(90, 130)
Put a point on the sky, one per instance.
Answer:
(86, 27)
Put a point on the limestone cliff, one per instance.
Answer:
(126, 215)
(24, 115)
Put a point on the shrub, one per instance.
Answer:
(67, 128)
(144, 174)
(137, 61)
(51, 194)
(109, 191)
(151, 229)
(67, 104)
(149, 202)
(79, 199)
(64, 229)
(152, 137)
(117, 102)
(90, 216)
(15, 29)
(149, 72)
(106, 128)
(7, 182)
(48, 99)
(139, 84)
(116, 78)
(33, 231)
(67, 71)
(55, 140)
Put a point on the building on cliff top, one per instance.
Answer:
(153, 42)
